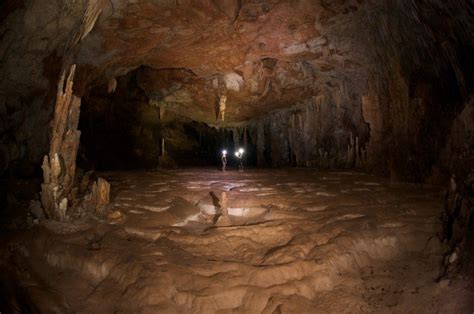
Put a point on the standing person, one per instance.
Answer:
(239, 154)
(224, 159)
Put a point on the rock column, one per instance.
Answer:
(59, 166)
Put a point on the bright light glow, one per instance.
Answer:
(241, 150)
(237, 154)
(224, 152)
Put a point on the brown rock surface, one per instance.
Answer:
(383, 86)
(296, 241)
(370, 60)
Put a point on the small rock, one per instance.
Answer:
(453, 258)
(223, 221)
(453, 183)
(115, 215)
(29, 220)
(444, 283)
(434, 245)
(94, 242)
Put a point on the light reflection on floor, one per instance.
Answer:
(294, 241)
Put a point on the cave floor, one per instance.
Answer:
(294, 241)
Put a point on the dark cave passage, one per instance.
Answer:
(122, 131)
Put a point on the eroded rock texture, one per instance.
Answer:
(394, 74)
(295, 241)
(384, 86)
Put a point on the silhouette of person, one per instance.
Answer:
(239, 154)
(224, 159)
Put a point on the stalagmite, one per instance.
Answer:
(99, 198)
(223, 219)
(149, 209)
(224, 203)
(60, 165)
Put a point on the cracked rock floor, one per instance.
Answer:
(270, 241)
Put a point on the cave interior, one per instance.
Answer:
(353, 192)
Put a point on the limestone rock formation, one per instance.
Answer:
(59, 166)
(368, 65)
(99, 198)
(384, 87)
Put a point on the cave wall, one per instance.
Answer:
(321, 132)
(36, 39)
(457, 157)
(422, 78)
(395, 74)
(419, 79)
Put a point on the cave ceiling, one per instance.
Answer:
(264, 55)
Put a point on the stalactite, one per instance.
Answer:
(356, 153)
(111, 85)
(91, 15)
(222, 95)
(245, 136)
(236, 137)
(260, 144)
(161, 112)
(352, 151)
(306, 136)
(222, 106)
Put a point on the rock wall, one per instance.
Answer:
(36, 39)
(419, 78)
(300, 76)
(321, 132)
(422, 77)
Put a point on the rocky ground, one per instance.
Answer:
(204, 241)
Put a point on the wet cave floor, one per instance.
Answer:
(292, 241)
